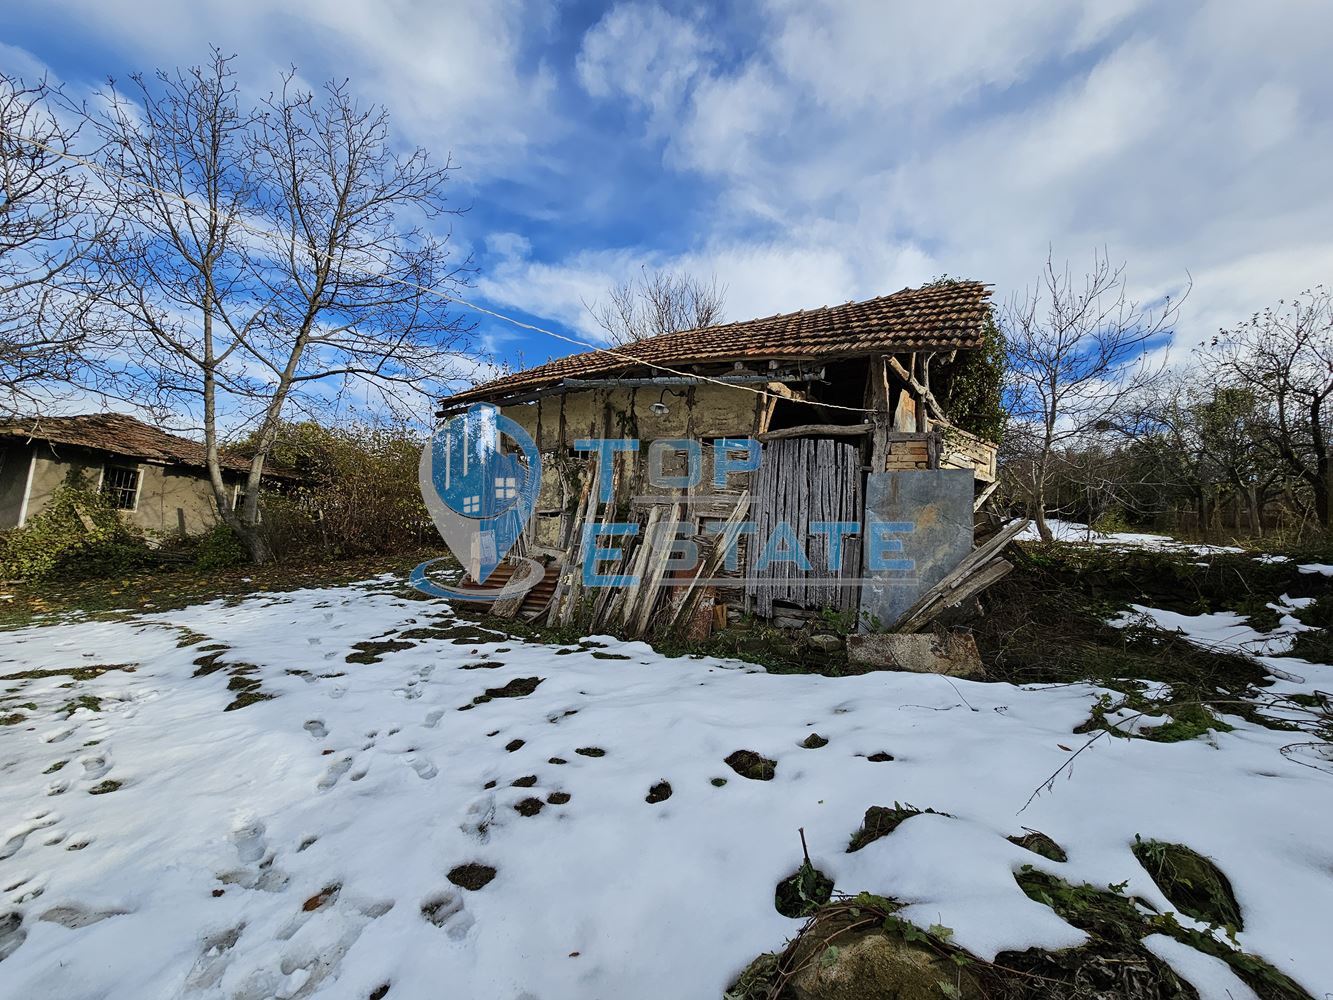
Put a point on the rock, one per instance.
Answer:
(870, 965)
(953, 654)
(824, 642)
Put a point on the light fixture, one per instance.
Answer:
(660, 408)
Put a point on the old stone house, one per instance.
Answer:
(839, 396)
(157, 480)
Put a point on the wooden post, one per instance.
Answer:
(880, 417)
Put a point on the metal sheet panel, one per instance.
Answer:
(937, 504)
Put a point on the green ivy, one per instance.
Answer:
(77, 531)
(219, 548)
(973, 390)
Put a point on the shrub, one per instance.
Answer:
(219, 548)
(78, 531)
(361, 494)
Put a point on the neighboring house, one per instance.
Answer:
(836, 394)
(158, 480)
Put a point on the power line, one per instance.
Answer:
(104, 172)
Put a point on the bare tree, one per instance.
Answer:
(657, 303)
(273, 254)
(51, 214)
(1284, 357)
(1077, 349)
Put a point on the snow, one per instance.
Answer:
(1316, 568)
(1073, 532)
(1210, 976)
(300, 846)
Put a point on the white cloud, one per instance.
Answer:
(645, 54)
(861, 146)
(456, 75)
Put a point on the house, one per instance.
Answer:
(838, 396)
(158, 480)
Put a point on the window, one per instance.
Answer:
(506, 487)
(238, 496)
(120, 485)
(472, 505)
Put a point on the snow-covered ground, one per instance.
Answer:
(301, 846)
(1072, 531)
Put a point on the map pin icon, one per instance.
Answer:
(479, 492)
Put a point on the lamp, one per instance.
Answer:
(660, 408)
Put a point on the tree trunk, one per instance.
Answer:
(1039, 517)
(1256, 511)
(252, 537)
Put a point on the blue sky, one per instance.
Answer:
(807, 152)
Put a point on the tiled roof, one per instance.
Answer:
(120, 435)
(940, 317)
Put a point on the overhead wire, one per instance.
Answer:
(240, 222)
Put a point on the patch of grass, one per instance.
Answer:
(802, 892)
(754, 766)
(85, 701)
(1038, 843)
(880, 821)
(1194, 884)
(170, 589)
(1112, 917)
(373, 651)
(471, 876)
(13, 719)
(105, 787)
(84, 673)
(1188, 720)
(1046, 622)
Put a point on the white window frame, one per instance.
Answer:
(137, 469)
(236, 493)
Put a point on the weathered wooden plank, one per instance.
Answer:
(816, 430)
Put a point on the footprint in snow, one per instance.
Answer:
(75, 916)
(19, 834)
(212, 961)
(478, 818)
(445, 909)
(316, 728)
(433, 718)
(336, 770)
(248, 838)
(424, 768)
(95, 766)
(12, 933)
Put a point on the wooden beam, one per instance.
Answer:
(945, 593)
(880, 416)
(816, 430)
(984, 496)
(923, 392)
